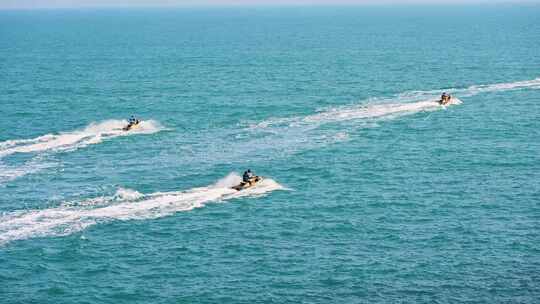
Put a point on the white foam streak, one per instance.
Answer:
(92, 134)
(500, 87)
(126, 204)
(363, 112)
(9, 173)
(373, 111)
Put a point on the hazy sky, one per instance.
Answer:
(6, 4)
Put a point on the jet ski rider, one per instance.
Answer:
(445, 97)
(247, 176)
(132, 120)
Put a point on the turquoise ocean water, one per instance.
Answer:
(374, 193)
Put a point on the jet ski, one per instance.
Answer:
(245, 185)
(131, 125)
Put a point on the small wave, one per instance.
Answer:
(9, 173)
(92, 134)
(125, 204)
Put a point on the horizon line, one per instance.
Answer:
(270, 4)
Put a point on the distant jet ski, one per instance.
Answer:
(132, 123)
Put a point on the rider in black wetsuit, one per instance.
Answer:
(247, 176)
(445, 97)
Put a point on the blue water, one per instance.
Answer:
(373, 192)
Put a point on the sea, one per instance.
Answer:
(372, 191)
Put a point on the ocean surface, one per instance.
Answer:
(373, 193)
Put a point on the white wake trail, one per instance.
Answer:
(387, 108)
(390, 110)
(533, 84)
(67, 141)
(124, 205)
(357, 112)
(500, 87)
